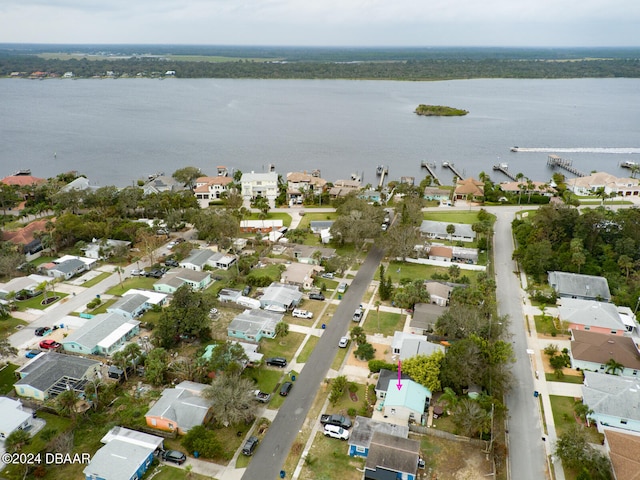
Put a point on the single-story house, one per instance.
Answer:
(440, 253)
(181, 408)
(279, 294)
(317, 226)
(51, 373)
(252, 325)
(176, 278)
(221, 260)
(623, 449)
(229, 295)
(103, 334)
(300, 275)
(13, 417)
(613, 400)
(594, 316)
(162, 183)
(464, 255)
(66, 269)
(126, 455)
(154, 298)
(311, 254)
(371, 196)
(197, 259)
(262, 226)
(432, 229)
(592, 350)
(363, 430)
(130, 306)
(584, 287)
(101, 249)
(440, 292)
(250, 349)
(407, 403)
(438, 194)
(29, 284)
(392, 457)
(383, 381)
(424, 318)
(325, 236)
(407, 345)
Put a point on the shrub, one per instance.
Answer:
(352, 412)
(376, 365)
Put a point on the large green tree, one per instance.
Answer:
(232, 399)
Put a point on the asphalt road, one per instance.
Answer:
(269, 458)
(527, 455)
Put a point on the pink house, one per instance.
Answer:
(594, 316)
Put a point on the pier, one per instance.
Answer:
(382, 172)
(555, 161)
(504, 168)
(431, 168)
(452, 167)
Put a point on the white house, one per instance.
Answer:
(281, 295)
(197, 259)
(104, 334)
(462, 231)
(613, 400)
(611, 184)
(259, 184)
(210, 189)
(12, 417)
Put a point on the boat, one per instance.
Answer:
(275, 308)
(379, 170)
(514, 149)
(23, 172)
(628, 164)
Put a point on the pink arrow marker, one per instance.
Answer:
(399, 384)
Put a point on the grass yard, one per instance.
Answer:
(36, 302)
(383, 322)
(563, 418)
(312, 341)
(8, 326)
(415, 271)
(340, 356)
(452, 217)
(7, 378)
(546, 325)
(96, 280)
(102, 308)
(313, 217)
(167, 472)
(328, 459)
(266, 379)
(551, 377)
(281, 346)
(285, 217)
(142, 283)
(327, 315)
(345, 402)
(271, 271)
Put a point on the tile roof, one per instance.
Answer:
(22, 180)
(26, 234)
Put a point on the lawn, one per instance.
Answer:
(266, 379)
(102, 308)
(142, 283)
(281, 346)
(167, 472)
(345, 402)
(8, 326)
(547, 326)
(414, 271)
(327, 315)
(452, 217)
(563, 418)
(271, 271)
(551, 377)
(7, 378)
(285, 217)
(96, 280)
(339, 358)
(312, 217)
(327, 459)
(312, 341)
(36, 302)
(387, 324)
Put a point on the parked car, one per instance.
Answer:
(328, 275)
(32, 353)
(342, 288)
(286, 388)
(316, 296)
(300, 313)
(262, 397)
(250, 445)
(42, 331)
(344, 342)
(276, 362)
(156, 273)
(171, 262)
(336, 419)
(334, 431)
(174, 456)
(136, 272)
(246, 290)
(49, 344)
(357, 315)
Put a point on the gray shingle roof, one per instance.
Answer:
(612, 395)
(129, 303)
(577, 285)
(393, 453)
(45, 370)
(591, 313)
(98, 328)
(599, 348)
(69, 266)
(182, 406)
(440, 229)
(198, 257)
(364, 428)
(386, 375)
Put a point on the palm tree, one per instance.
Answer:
(377, 305)
(119, 271)
(449, 398)
(451, 229)
(612, 367)
(66, 404)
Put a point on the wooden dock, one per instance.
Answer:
(555, 161)
(382, 172)
(431, 168)
(504, 168)
(452, 167)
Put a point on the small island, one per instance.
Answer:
(439, 111)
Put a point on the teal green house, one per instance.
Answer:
(407, 403)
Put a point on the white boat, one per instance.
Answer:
(275, 308)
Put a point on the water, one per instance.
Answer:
(117, 131)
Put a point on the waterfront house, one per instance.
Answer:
(254, 324)
(300, 184)
(437, 194)
(612, 185)
(160, 184)
(49, 374)
(575, 285)
(180, 409)
(613, 401)
(470, 190)
(594, 316)
(432, 229)
(103, 334)
(342, 188)
(211, 189)
(13, 417)
(591, 351)
(173, 280)
(259, 184)
(392, 457)
(362, 434)
(126, 455)
(371, 196)
(281, 295)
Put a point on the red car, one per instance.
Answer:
(49, 344)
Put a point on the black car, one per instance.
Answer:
(286, 388)
(250, 445)
(174, 456)
(156, 273)
(246, 290)
(171, 262)
(276, 362)
(316, 296)
(42, 331)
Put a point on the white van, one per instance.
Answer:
(298, 312)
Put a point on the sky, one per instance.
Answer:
(323, 22)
